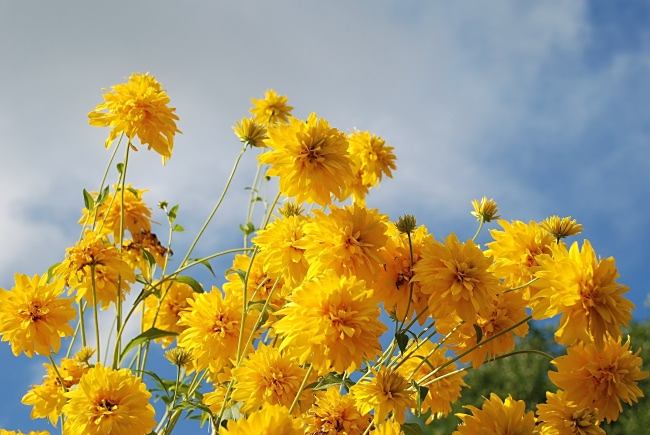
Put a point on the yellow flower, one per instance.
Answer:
(348, 241)
(109, 401)
(331, 321)
(311, 159)
(137, 216)
(95, 252)
(497, 417)
(250, 132)
(515, 250)
(212, 325)
(561, 227)
(17, 432)
(394, 283)
(456, 277)
(48, 398)
(442, 393)
(372, 159)
(388, 427)
(272, 109)
(502, 313)
(600, 377)
(33, 316)
(139, 107)
(133, 251)
(485, 210)
(214, 399)
(270, 420)
(260, 282)
(583, 288)
(267, 376)
(280, 250)
(559, 416)
(335, 414)
(179, 357)
(167, 312)
(387, 392)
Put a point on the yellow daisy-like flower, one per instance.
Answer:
(394, 283)
(34, 316)
(270, 420)
(583, 288)
(94, 252)
(456, 277)
(387, 392)
(442, 393)
(559, 416)
(272, 109)
(485, 210)
(260, 282)
(139, 107)
(372, 159)
(137, 215)
(214, 399)
(515, 250)
(280, 250)
(268, 376)
(108, 401)
(600, 377)
(333, 413)
(250, 132)
(47, 399)
(497, 417)
(211, 331)
(561, 227)
(167, 312)
(388, 427)
(348, 241)
(17, 432)
(332, 322)
(503, 312)
(311, 159)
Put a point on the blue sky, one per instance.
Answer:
(540, 105)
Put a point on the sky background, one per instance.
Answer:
(540, 105)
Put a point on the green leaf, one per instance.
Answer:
(178, 228)
(120, 168)
(327, 381)
(240, 273)
(247, 229)
(102, 196)
(206, 263)
(89, 202)
(173, 212)
(50, 271)
(412, 429)
(150, 258)
(402, 341)
(479, 333)
(148, 335)
(196, 286)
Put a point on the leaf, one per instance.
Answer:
(479, 333)
(120, 168)
(402, 341)
(247, 229)
(102, 196)
(172, 213)
(178, 228)
(50, 271)
(327, 381)
(412, 429)
(241, 273)
(206, 263)
(150, 258)
(148, 335)
(89, 202)
(158, 379)
(196, 286)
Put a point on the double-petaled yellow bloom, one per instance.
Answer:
(372, 158)
(386, 392)
(334, 413)
(559, 416)
(269, 420)
(165, 313)
(497, 417)
(272, 109)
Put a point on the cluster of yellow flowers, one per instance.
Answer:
(295, 341)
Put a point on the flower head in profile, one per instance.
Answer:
(268, 376)
(456, 276)
(167, 310)
(34, 316)
(583, 287)
(250, 132)
(497, 417)
(348, 240)
(386, 393)
(331, 321)
(182, 358)
(109, 401)
(211, 328)
(95, 259)
(310, 158)
(485, 210)
(108, 214)
(269, 420)
(502, 313)
(559, 416)
(515, 249)
(138, 108)
(442, 392)
(272, 109)
(600, 377)
(333, 413)
(561, 227)
(48, 398)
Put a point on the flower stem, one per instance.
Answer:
(478, 230)
(96, 316)
(300, 390)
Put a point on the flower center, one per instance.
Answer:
(35, 312)
(106, 407)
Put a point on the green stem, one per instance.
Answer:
(478, 230)
(58, 374)
(300, 390)
(408, 305)
(118, 302)
(96, 315)
(252, 201)
(532, 281)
